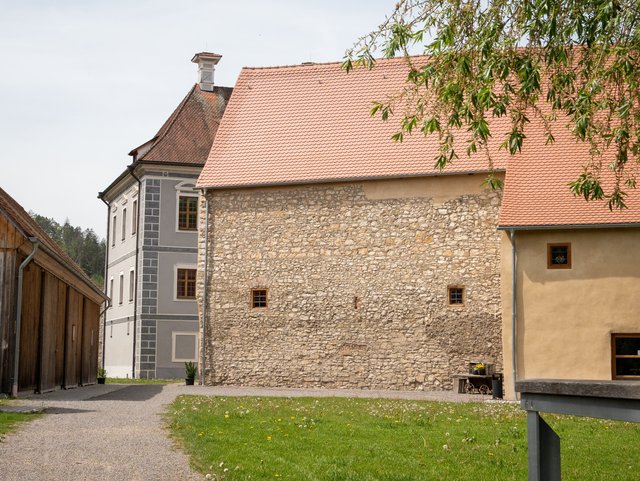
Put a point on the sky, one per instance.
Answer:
(82, 82)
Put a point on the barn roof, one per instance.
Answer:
(31, 229)
(312, 123)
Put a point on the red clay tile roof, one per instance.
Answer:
(536, 192)
(14, 211)
(311, 123)
(188, 133)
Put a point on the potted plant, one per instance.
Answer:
(479, 368)
(191, 369)
(101, 376)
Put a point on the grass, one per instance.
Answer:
(128, 380)
(10, 421)
(338, 439)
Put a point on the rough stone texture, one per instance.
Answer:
(357, 288)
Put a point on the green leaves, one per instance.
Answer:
(575, 60)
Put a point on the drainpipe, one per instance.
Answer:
(16, 356)
(514, 357)
(204, 288)
(106, 272)
(131, 168)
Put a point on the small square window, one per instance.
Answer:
(559, 256)
(456, 295)
(258, 298)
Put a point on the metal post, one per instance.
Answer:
(544, 449)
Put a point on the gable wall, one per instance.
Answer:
(357, 275)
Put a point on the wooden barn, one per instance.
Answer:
(49, 310)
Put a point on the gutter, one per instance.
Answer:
(106, 281)
(514, 338)
(569, 226)
(131, 168)
(16, 351)
(204, 289)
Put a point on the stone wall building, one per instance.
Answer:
(333, 257)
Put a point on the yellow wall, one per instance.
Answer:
(565, 317)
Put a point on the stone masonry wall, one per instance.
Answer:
(357, 287)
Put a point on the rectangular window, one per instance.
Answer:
(184, 347)
(124, 223)
(134, 218)
(132, 281)
(121, 288)
(186, 284)
(187, 213)
(455, 295)
(111, 292)
(559, 256)
(258, 298)
(625, 356)
(113, 231)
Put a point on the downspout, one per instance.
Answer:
(204, 288)
(131, 168)
(514, 346)
(106, 282)
(16, 352)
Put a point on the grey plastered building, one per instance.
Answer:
(151, 328)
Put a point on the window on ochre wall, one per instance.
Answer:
(187, 213)
(186, 284)
(559, 256)
(259, 298)
(625, 356)
(455, 295)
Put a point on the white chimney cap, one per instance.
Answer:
(206, 65)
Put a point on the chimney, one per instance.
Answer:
(207, 62)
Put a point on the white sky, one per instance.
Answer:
(82, 82)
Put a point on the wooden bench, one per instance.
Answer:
(619, 400)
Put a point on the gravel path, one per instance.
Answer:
(115, 432)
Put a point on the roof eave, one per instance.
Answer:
(613, 225)
(337, 180)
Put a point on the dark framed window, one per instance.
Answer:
(259, 298)
(455, 295)
(559, 256)
(121, 289)
(186, 284)
(187, 212)
(625, 356)
(132, 278)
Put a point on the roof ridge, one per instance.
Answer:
(335, 62)
(172, 120)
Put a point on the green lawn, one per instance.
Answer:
(128, 380)
(10, 421)
(338, 439)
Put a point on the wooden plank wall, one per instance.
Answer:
(90, 342)
(30, 328)
(9, 261)
(49, 333)
(72, 339)
(61, 322)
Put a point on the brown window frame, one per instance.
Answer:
(614, 356)
(550, 246)
(253, 300)
(186, 225)
(463, 296)
(183, 283)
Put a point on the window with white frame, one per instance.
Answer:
(187, 212)
(185, 283)
(134, 218)
(132, 280)
(113, 231)
(124, 223)
(120, 298)
(184, 346)
(111, 292)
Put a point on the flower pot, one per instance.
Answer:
(189, 381)
(101, 380)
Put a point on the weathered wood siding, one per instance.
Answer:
(9, 241)
(30, 328)
(72, 340)
(90, 342)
